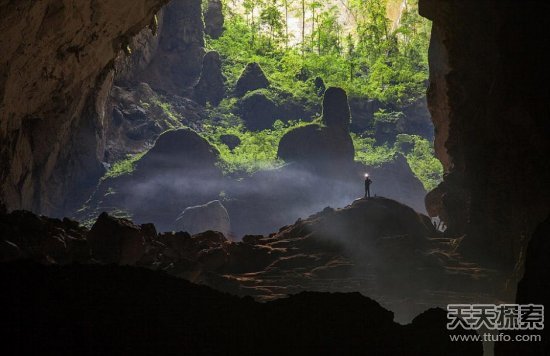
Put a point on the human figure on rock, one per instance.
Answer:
(368, 182)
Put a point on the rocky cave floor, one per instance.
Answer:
(378, 247)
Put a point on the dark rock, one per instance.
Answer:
(336, 112)
(319, 85)
(231, 141)
(396, 180)
(304, 74)
(181, 149)
(135, 113)
(315, 145)
(252, 78)
(213, 19)
(113, 309)
(431, 325)
(211, 216)
(418, 119)
(144, 131)
(117, 241)
(490, 134)
(257, 110)
(26, 235)
(211, 85)
(177, 62)
(362, 113)
(387, 125)
(9, 251)
(326, 147)
(533, 288)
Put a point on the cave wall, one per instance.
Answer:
(55, 74)
(490, 102)
(175, 57)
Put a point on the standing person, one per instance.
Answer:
(368, 182)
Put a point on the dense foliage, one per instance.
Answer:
(348, 43)
(372, 57)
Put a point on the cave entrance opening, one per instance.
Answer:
(247, 87)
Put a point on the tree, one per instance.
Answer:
(272, 18)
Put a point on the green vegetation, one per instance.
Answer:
(125, 166)
(348, 43)
(257, 150)
(373, 58)
(416, 149)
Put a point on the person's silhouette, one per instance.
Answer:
(368, 182)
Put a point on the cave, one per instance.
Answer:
(281, 260)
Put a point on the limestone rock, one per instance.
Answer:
(211, 85)
(257, 110)
(330, 146)
(252, 78)
(336, 112)
(231, 141)
(320, 87)
(213, 19)
(210, 216)
(117, 241)
(362, 113)
(177, 62)
(181, 149)
(316, 145)
(53, 95)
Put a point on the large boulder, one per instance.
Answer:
(211, 85)
(315, 145)
(181, 149)
(252, 78)
(231, 141)
(210, 216)
(117, 241)
(26, 235)
(396, 180)
(336, 112)
(328, 146)
(213, 19)
(257, 110)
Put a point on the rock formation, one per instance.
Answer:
(362, 113)
(252, 78)
(210, 216)
(336, 114)
(326, 147)
(118, 241)
(178, 171)
(257, 110)
(488, 86)
(180, 150)
(396, 180)
(211, 85)
(55, 75)
(213, 19)
(117, 310)
(231, 141)
(376, 246)
(177, 62)
(533, 288)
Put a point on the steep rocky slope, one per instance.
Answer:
(489, 102)
(55, 75)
